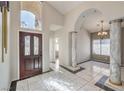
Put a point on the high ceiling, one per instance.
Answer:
(91, 21)
(64, 6)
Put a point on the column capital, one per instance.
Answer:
(116, 20)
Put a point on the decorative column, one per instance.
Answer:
(115, 52)
(74, 58)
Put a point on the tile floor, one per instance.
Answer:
(62, 80)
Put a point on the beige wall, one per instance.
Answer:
(59, 34)
(14, 39)
(83, 46)
(52, 46)
(4, 67)
(34, 7)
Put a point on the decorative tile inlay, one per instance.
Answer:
(101, 83)
(13, 86)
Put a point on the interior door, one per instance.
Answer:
(30, 54)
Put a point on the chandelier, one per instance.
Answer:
(102, 33)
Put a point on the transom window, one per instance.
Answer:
(30, 15)
(27, 19)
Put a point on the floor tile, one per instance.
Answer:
(89, 87)
(62, 80)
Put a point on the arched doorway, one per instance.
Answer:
(88, 23)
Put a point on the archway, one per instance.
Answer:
(92, 12)
(88, 21)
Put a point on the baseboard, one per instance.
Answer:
(13, 85)
(101, 61)
(83, 62)
(93, 60)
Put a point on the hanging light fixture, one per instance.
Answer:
(102, 33)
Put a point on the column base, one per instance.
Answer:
(72, 69)
(114, 86)
(119, 84)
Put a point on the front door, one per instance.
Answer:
(30, 54)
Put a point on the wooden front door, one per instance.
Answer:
(30, 54)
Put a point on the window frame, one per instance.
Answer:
(100, 47)
(30, 29)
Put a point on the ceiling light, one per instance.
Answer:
(102, 33)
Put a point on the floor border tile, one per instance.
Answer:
(14, 83)
(101, 83)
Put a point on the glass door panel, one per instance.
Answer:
(27, 45)
(36, 45)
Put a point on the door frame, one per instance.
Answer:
(19, 56)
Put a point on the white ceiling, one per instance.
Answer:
(64, 6)
(92, 21)
(54, 27)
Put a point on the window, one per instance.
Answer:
(36, 45)
(27, 19)
(105, 47)
(30, 17)
(96, 47)
(27, 45)
(101, 47)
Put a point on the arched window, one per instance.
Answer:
(30, 15)
(27, 19)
